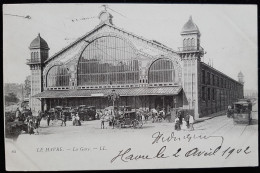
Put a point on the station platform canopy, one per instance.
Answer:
(172, 90)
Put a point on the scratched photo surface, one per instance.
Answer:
(130, 86)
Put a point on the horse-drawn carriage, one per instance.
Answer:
(67, 112)
(13, 126)
(87, 113)
(55, 113)
(124, 117)
(157, 116)
(130, 119)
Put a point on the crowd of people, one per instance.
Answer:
(33, 122)
(75, 119)
(184, 122)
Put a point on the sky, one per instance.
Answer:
(228, 32)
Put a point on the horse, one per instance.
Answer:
(154, 113)
(39, 118)
(32, 125)
(22, 117)
(107, 118)
(168, 116)
(140, 115)
(161, 115)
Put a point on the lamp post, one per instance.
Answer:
(113, 96)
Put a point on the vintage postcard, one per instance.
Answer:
(130, 86)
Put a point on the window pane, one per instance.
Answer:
(161, 71)
(108, 60)
(57, 76)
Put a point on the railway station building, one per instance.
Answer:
(145, 73)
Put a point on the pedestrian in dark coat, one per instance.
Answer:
(63, 119)
(180, 116)
(48, 119)
(177, 125)
(30, 126)
(187, 119)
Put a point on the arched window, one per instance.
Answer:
(36, 56)
(193, 43)
(32, 55)
(184, 43)
(188, 44)
(57, 76)
(161, 71)
(108, 60)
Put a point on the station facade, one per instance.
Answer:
(145, 73)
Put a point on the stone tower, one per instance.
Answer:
(241, 78)
(191, 53)
(39, 52)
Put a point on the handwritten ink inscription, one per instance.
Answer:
(164, 153)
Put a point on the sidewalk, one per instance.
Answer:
(210, 116)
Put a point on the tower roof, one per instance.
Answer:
(189, 27)
(240, 74)
(39, 43)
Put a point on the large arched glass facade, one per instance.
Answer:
(161, 71)
(58, 76)
(108, 60)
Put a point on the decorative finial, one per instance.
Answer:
(39, 35)
(105, 7)
(190, 17)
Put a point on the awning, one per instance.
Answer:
(104, 92)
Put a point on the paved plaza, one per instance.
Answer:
(77, 146)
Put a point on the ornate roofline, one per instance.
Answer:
(40, 46)
(119, 29)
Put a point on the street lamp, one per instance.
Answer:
(113, 96)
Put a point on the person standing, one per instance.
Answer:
(191, 121)
(17, 114)
(184, 124)
(177, 124)
(30, 126)
(73, 119)
(48, 119)
(78, 123)
(229, 111)
(63, 119)
(36, 125)
(179, 115)
(187, 119)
